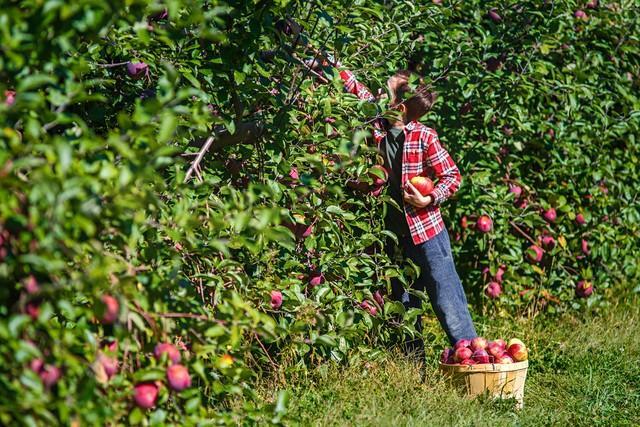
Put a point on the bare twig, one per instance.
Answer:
(273, 364)
(48, 126)
(311, 70)
(525, 235)
(116, 64)
(196, 163)
(147, 317)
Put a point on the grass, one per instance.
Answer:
(583, 371)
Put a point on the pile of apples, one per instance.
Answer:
(479, 350)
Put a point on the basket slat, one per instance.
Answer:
(499, 380)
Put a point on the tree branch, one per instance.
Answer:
(246, 132)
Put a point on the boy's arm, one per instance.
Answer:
(352, 85)
(445, 169)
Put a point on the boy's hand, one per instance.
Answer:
(413, 197)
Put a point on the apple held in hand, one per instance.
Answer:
(423, 184)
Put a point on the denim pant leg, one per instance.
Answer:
(440, 280)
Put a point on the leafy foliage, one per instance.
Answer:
(103, 98)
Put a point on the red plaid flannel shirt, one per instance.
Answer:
(422, 155)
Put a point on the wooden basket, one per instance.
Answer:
(503, 381)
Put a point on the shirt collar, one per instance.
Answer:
(411, 125)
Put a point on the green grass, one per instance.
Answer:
(582, 372)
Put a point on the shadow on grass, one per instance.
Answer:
(582, 372)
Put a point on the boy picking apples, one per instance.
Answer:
(411, 152)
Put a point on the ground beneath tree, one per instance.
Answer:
(584, 371)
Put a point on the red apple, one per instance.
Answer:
(592, 4)
(463, 222)
(522, 203)
(493, 15)
(178, 377)
(376, 191)
(462, 343)
(514, 341)
(110, 308)
(109, 364)
(173, 354)
(484, 224)
(145, 394)
(32, 308)
(447, 354)
(585, 247)
(480, 356)
(479, 343)
(371, 309)
(423, 184)
(377, 297)
(468, 362)
(110, 345)
(137, 70)
(495, 349)
(550, 215)
(501, 343)
(534, 253)
(276, 299)
(516, 190)
(31, 285)
(584, 289)
(548, 241)
(377, 180)
(299, 227)
(580, 219)
(316, 278)
(518, 352)
(9, 97)
(461, 354)
(493, 290)
(50, 374)
(503, 358)
(293, 173)
(501, 270)
(580, 14)
(36, 365)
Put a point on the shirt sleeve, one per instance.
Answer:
(352, 85)
(446, 171)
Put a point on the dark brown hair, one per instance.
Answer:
(418, 100)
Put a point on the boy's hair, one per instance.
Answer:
(418, 100)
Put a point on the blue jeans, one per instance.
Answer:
(438, 277)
